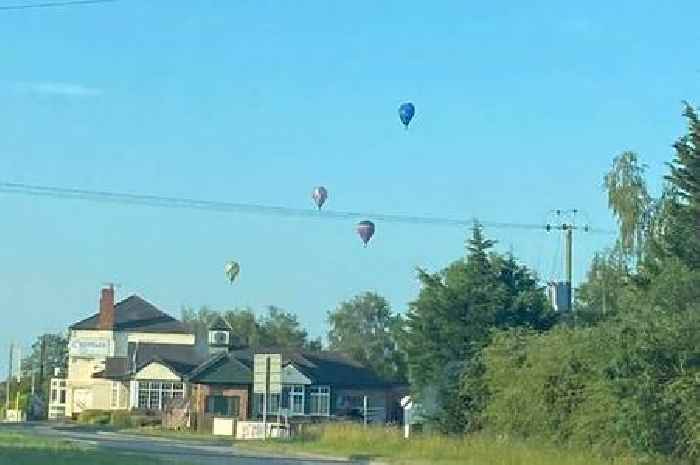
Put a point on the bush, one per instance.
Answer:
(94, 417)
(629, 385)
(122, 419)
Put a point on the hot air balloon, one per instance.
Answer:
(232, 269)
(320, 194)
(366, 230)
(406, 112)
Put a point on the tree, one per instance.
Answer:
(629, 200)
(245, 329)
(55, 355)
(452, 320)
(365, 328)
(682, 231)
(600, 296)
(281, 328)
(276, 328)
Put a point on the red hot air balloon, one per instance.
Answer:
(366, 230)
(320, 194)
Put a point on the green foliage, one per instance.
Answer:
(682, 222)
(629, 200)
(121, 419)
(281, 328)
(95, 417)
(452, 320)
(632, 384)
(366, 329)
(276, 327)
(386, 445)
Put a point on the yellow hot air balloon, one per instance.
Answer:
(232, 269)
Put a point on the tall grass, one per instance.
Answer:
(23, 449)
(387, 444)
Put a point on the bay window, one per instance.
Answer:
(154, 395)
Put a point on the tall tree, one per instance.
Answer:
(452, 320)
(245, 329)
(365, 328)
(276, 328)
(281, 328)
(630, 202)
(682, 232)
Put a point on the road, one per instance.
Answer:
(177, 451)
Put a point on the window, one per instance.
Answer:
(273, 404)
(320, 400)
(223, 406)
(153, 395)
(297, 400)
(115, 394)
(293, 399)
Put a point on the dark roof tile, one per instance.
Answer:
(136, 314)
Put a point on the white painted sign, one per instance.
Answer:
(223, 426)
(92, 347)
(256, 430)
(250, 430)
(260, 373)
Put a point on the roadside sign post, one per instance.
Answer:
(364, 410)
(268, 380)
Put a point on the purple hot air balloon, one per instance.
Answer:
(366, 230)
(320, 194)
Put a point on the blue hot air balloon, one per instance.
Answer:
(406, 112)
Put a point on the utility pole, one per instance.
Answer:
(9, 380)
(41, 364)
(568, 245)
(567, 226)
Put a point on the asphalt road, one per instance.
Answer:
(177, 451)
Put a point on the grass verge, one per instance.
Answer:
(387, 445)
(23, 449)
(157, 432)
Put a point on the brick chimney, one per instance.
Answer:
(107, 308)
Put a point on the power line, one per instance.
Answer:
(54, 4)
(252, 208)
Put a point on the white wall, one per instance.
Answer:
(162, 338)
(155, 370)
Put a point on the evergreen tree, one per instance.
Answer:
(452, 320)
(682, 229)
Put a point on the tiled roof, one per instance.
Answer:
(180, 358)
(323, 367)
(136, 314)
(222, 369)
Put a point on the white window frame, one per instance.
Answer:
(154, 393)
(296, 391)
(322, 396)
(115, 395)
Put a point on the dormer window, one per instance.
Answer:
(219, 335)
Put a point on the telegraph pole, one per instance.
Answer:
(568, 245)
(567, 226)
(9, 380)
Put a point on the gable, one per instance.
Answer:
(156, 370)
(290, 375)
(222, 370)
(134, 314)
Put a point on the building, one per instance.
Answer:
(315, 386)
(128, 355)
(131, 355)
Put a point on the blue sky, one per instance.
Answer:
(520, 108)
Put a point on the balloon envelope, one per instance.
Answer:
(366, 230)
(406, 112)
(320, 194)
(232, 269)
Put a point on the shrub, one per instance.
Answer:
(121, 419)
(94, 417)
